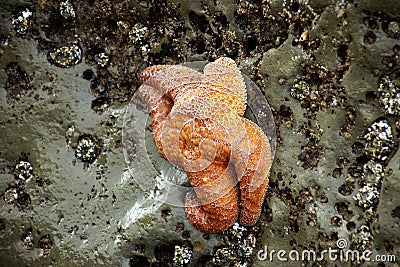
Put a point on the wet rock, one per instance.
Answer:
(2, 225)
(326, 63)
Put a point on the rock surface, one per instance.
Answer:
(329, 70)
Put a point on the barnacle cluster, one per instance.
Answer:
(362, 238)
(17, 196)
(379, 140)
(102, 59)
(139, 260)
(22, 21)
(23, 170)
(65, 56)
(176, 253)
(67, 10)
(222, 256)
(69, 133)
(182, 256)
(389, 94)
(18, 82)
(44, 245)
(300, 90)
(27, 239)
(393, 29)
(15, 193)
(378, 145)
(239, 247)
(88, 148)
(316, 90)
(369, 193)
(138, 33)
(11, 195)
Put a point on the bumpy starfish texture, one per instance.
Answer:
(198, 124)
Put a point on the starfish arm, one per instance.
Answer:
(159, 115)
(224, 73)
(158, 83)
(149, 72)
(213, 205)
(254, 182)
(170, 80)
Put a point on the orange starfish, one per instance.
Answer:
(198, 124)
